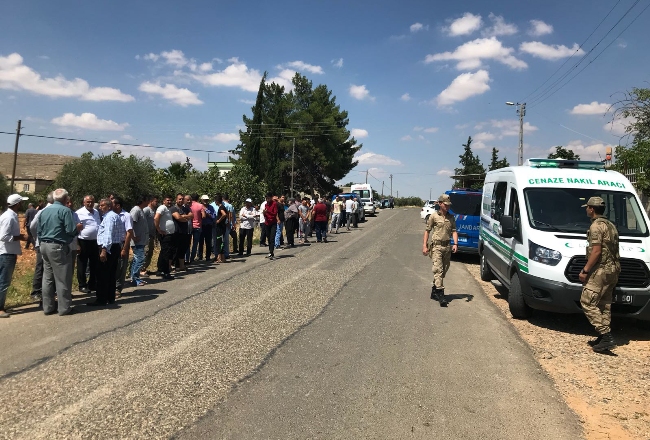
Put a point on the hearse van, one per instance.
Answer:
(533, 235)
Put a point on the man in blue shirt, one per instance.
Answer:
(110, 238)
(229, 226)
(56, 229)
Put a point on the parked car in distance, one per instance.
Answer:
(361, 215)
(427, 209)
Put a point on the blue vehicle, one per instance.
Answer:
(466, 209)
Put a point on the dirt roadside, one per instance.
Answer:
(610, 394)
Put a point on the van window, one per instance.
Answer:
(465, 204)
(513, 210)
(560, 209)
(499, 200)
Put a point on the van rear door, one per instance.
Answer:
(466, 209)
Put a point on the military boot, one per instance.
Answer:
(596, 341)
(441, 298)
(606, 342)
(434, 293)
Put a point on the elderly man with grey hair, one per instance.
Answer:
(56, 229)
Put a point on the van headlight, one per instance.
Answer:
(543, 255)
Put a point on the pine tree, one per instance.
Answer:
(471, 168)
(495, 163)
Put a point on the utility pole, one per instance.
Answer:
(13, 173)
(391, 185)
(382, 189)
(430, 193)
(398, 194)
(293, 153)
(367, 176)
(521, 111)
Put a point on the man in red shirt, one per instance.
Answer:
(320, 221)
(271, 221)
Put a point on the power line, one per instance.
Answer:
(548, 92)
(572, 55)
(115, 144)
(596, 57)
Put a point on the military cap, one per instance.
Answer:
(594, 201)
(444, 199)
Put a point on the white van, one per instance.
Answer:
(533, 235)
(364, 194)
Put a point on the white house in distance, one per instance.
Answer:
(223, 167)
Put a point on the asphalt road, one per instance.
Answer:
(336, 340)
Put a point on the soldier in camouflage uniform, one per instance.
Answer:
(443, 225)
(600, 273)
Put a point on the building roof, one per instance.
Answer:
(33, 166)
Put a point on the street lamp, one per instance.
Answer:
(521, 111)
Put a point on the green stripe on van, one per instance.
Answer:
(505, 250)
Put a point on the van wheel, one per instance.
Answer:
(486, 273)
(516, 302)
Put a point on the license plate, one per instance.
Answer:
(462, 240)
(621, 298)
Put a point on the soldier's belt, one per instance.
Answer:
(439, 242)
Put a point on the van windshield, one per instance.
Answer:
(363, 194)
(560, 210)
(465, 204)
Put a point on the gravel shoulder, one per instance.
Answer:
(610, 394)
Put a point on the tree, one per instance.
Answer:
(636, 156)
(102, 175)
(495, 163)
(4, 191)
(563, 153)
(634, 109)
(471, 168)
(240, 184)
(308, 118)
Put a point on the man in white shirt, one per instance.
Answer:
(247, 217)
(164, 223)
(88, 255)
(10, 247)
(349, 206)
(263, 228)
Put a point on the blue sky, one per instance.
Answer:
(417, 77)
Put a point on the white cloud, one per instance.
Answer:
(416, 27)
(162, 158)
(406, 138)
(499, 27)
(205, 67)
(284, 79)
(462, 126)
(359, 133)
(617, 126)
(405, 97)
(302, 66)
(465, 25)
(594, 151)
(510, 127)
(247, 101)
(426, 130)
(550, 52)
(14, 75)
(127, 137)
(180, 96)
(376, 159)
(445, 172)
(360, 92)
(595, 108)
(236, 74)
(88, 121)
(539, 28)
(470, 55)
(224, 137)
(189, 136)
(484, 136)
(338, 63)
(464, 86)
(174, 58)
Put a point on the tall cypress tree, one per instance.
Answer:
(471, 167)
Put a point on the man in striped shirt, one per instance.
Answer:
(110, 237)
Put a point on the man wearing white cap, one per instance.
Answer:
(10, 248)
(247, 216)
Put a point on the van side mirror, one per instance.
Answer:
(507, 227)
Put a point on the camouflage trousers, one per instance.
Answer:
(596, 299)
(441, 260)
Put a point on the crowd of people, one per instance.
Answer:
(100, 236)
